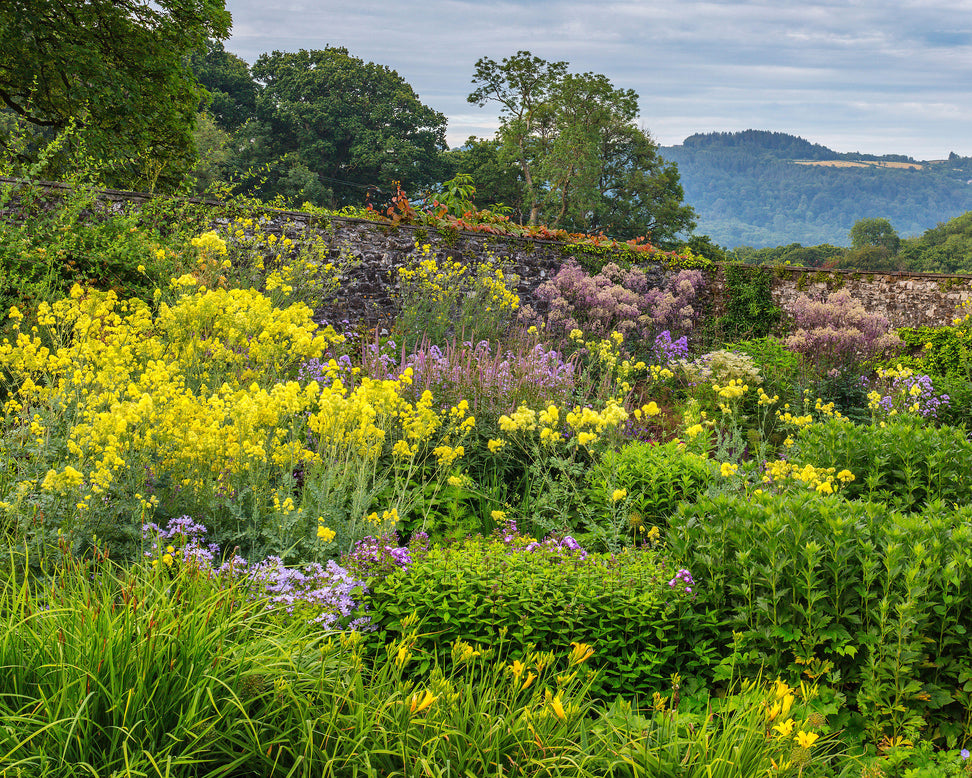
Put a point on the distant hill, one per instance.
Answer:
(758, 188)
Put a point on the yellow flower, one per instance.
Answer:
(584, 438)
(728, 469)
(531, 677)
(325, 533)
(618, 494)
(417, 704)
(785, 728)
(498, 515)
(806, 739)
(558, 708)
(580, 652)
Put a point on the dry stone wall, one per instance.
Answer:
(378, 250)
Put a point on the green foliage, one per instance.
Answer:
(945, 351)
(67, 239)
(779, 367)
(226, 77)
(750, 309)
(128, 667)
(945, 248)
(874, 232)
(329, 126)
(118, 71)
(584, 165)
(498, 184)
(657, 478)
(486, 590)
(748, 191)
(852, 594)
(825, 255)
(904, 464)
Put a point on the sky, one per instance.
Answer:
(875, 76)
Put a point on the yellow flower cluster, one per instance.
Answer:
(200, 394)
(731, 391)
(821, 479)
(587, 423)
(433, 280)
(498, 296)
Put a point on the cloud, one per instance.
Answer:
(823, 69)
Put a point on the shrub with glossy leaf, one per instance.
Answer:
(632, 607)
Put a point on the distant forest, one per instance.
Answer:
(750, 189)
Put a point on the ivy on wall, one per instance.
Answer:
(750, 311)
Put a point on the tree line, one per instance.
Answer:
(875, 247)
(143, 94)
(748, 189)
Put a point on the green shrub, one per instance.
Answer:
(641, 628)
(657, 479)
(958, 412)
(870, 601)
(779, 368)
(905, 463)
(942, 350)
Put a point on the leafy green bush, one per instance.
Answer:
(942, 350)
(871, 601)
(657, 478)
(750, 309)
(904, 464)
(958, 412)
(779, 367)
(633, 608)
(63, 240)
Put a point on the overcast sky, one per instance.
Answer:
(876, 76)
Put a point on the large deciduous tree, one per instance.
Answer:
(584, 163)
(116, 71)
(330, 125)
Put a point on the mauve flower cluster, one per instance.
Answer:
(373, 558)
(327, 594)
(837, 333)
(668, 351)
(553, 544)
(677, 306)
(619, 300)
(683, 578)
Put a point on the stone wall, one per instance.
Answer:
(378, 250)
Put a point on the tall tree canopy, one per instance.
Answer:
(329, 125)
(226, 77)
(584, 164)
(117, 70)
